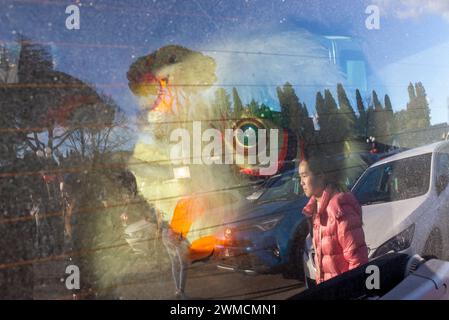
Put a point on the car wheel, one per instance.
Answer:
(434, 245)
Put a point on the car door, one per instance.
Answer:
(441, 181)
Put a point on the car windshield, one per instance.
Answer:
(351, 168)
(285, 187)
(397, 180)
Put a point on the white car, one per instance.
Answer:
(405, 205)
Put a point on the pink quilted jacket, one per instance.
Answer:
(340, 245)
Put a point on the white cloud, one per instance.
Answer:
(405, 9)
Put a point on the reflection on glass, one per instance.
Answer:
(397, 180)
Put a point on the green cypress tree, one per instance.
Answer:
(330, 102)
(376, 103)
(333, 131)
(319, 104)
(370, 121)
(422, 105)
(222, 104)
(362, 119)
(377, 124)
(238, 106)
(411, 107)
(322, 115)
(389, 119)
(285, 102)
(253, 108)
(346, 115)
(292, 110)
(330, 137)
(309, 129)
(418, 115)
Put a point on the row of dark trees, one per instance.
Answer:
(336, 120)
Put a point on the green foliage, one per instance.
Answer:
(362, 119)
(222, 104)
(294, 114)
(253, 108)
(347, 118)
(238, 106)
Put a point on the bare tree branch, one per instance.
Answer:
(38, 142)
(62, 141)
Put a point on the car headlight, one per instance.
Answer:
(268, 224)
(398, 243)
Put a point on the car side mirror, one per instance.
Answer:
(442, 182)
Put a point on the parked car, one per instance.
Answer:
(269, 234)
(261, 188)
(405, 205)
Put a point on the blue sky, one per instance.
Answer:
(408, 47)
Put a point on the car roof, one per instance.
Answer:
(429, 148)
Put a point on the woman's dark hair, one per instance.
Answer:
(329, 168)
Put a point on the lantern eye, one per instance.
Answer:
(249, 136)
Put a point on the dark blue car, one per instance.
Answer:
(269, 232)
(268, 235)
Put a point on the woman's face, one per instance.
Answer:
(311, 184)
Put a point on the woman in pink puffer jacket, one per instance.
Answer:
(338, 236)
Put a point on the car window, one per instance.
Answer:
(442, 170)
(442, 167)
(286, 187)
(351, 168)
(397, 180)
